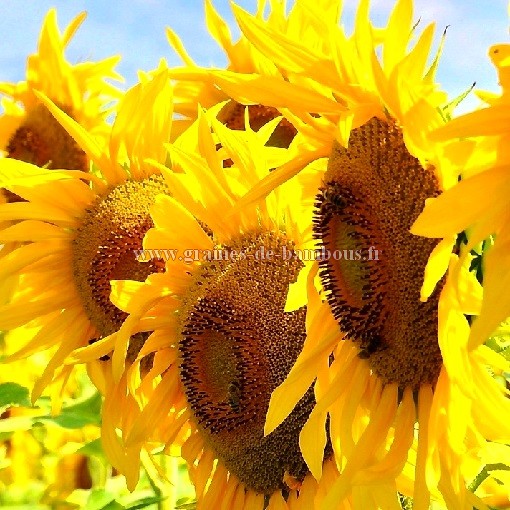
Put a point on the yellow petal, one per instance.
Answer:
(180, 227)
(393, 462)
(155, 410)
(111, 170)
(399, 29)
(436, 266)
(453, 331)
(139, 302)
(125, 460)
(227, 502)
(373, 436)
(73, 27)
(77, 336)
(278, 177)
(217, 27)
(13, 171)
(254, 501)
(276, 502)
(470, 199)
(312, 439)
(123, 292)
(285, 52)
(176, 43)
(496, 301)
(297, 294)
(272, 91)
(17, 260)
(299, 379)
(421, 496)
(486, 122)
(470, 292)
(95, 351)
(32, 230)
(204, 469)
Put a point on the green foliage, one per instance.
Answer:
(75, 416)
(185, 504)
(99, 499)
(405, 502)
(107, 489)
(144, 503)
(94, 448)
(13, 394)
(447, 111)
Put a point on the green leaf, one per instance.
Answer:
(14, 394)
(447, 111)
(114, 505)
(94, 448)
(4, 436)
(144, 503)
(99, 499)
(485, 473)
(186, 504)
(86, 412)
(405, 502)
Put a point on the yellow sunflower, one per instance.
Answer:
(74, 236)
(194, 86)
(481, 200)
(394, 376)
(28, 131)
(218, 335)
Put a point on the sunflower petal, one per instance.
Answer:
(299, 379)
(155, 409)
(469, 199)
(496, 302)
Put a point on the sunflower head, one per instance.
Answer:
(105, 246)
(221, 338)
(373, 266)
(194, 86)
(82, 230)
(28, 131)
(236, 345)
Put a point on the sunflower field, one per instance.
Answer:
(281, 284)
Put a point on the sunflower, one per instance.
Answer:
(194, 86)
(218, 333)
(77, 231)
(482, 213)
(28, 131)
(480, 199)
(396, 384)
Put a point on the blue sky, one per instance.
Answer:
(135, 29)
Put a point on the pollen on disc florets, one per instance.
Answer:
(237, 345)
(373, 191)
(105, 244)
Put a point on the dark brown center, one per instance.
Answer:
(233, 116)
(373, 267)
(105, 244)
(42, 141)
(237, 346)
